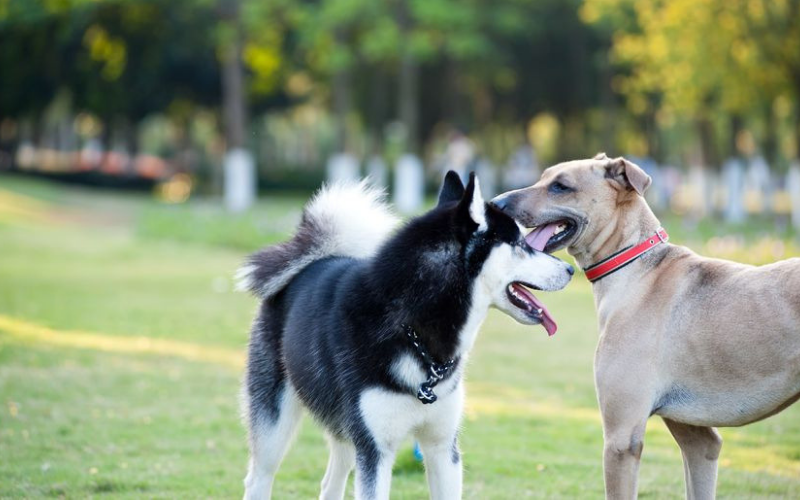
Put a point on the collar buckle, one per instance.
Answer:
(436, 371)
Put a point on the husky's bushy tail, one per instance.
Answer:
(343, 219)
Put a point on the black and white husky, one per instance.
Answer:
(370, 332)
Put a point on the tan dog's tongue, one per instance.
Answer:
(537, 238)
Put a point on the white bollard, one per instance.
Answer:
(522, 169)
(342, 167)
(378, 172)
(409, 184)
(701, 198)
(793, 186)
(486, 174)
(758, 185)
(239, 176)
(733, 173)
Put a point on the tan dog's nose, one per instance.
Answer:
(500, 202)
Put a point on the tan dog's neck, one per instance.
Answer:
(633, 221)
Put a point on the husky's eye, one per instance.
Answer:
(558, 188)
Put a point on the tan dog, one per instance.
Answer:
(700, 342)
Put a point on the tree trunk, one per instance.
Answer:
(341, 106)
(342, 100)
(607, 103)
(239, 179)
(797, 130)
(770, 142)
(106, 134)
(233, 78)
(736, 127)
(408, 97)
(407, 91)
(708, 149)
(651, 136)
(131, 131)
(562, 139)
(377, 111)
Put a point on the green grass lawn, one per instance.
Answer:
(121, 351)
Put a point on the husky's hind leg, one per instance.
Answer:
(270, 435)
(340, 463)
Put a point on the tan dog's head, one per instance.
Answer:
(573, 201)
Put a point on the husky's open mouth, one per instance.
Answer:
(524, 299)
(543, 238)
(552, 236)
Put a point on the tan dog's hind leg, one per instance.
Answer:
(700, 447)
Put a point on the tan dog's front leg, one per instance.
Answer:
(622, 453)
(700, 447)
(625, 396)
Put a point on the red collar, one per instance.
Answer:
(625, 257)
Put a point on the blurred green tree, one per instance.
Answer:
(704, 59)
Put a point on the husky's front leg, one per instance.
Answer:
(439, 442)
(443, 468)
(373, 473)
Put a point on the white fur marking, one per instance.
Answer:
(507, 264)
(445, 478)
(340, 463)
(268, 444)
(354, 216)
(244, 277)
(352, 220)
(408, 371)
(391, 417)
(481, 301)
(477, 209)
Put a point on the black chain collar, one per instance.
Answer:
(436, 371)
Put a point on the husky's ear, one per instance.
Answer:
(452, 188)
(628, 174)
(472, 205)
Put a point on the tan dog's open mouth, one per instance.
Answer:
(552, 236)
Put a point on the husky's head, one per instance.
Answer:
(504, 266)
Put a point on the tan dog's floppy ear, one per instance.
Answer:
(600, 156)
(629, 173)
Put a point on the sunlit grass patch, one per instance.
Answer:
(16, 208)
(32, 332)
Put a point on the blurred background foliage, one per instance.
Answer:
(135, 86)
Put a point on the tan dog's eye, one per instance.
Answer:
(559, 188)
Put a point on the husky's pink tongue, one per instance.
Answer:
(548, 322)
(538, 238)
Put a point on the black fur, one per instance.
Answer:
(270, 261)
(452, 188)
